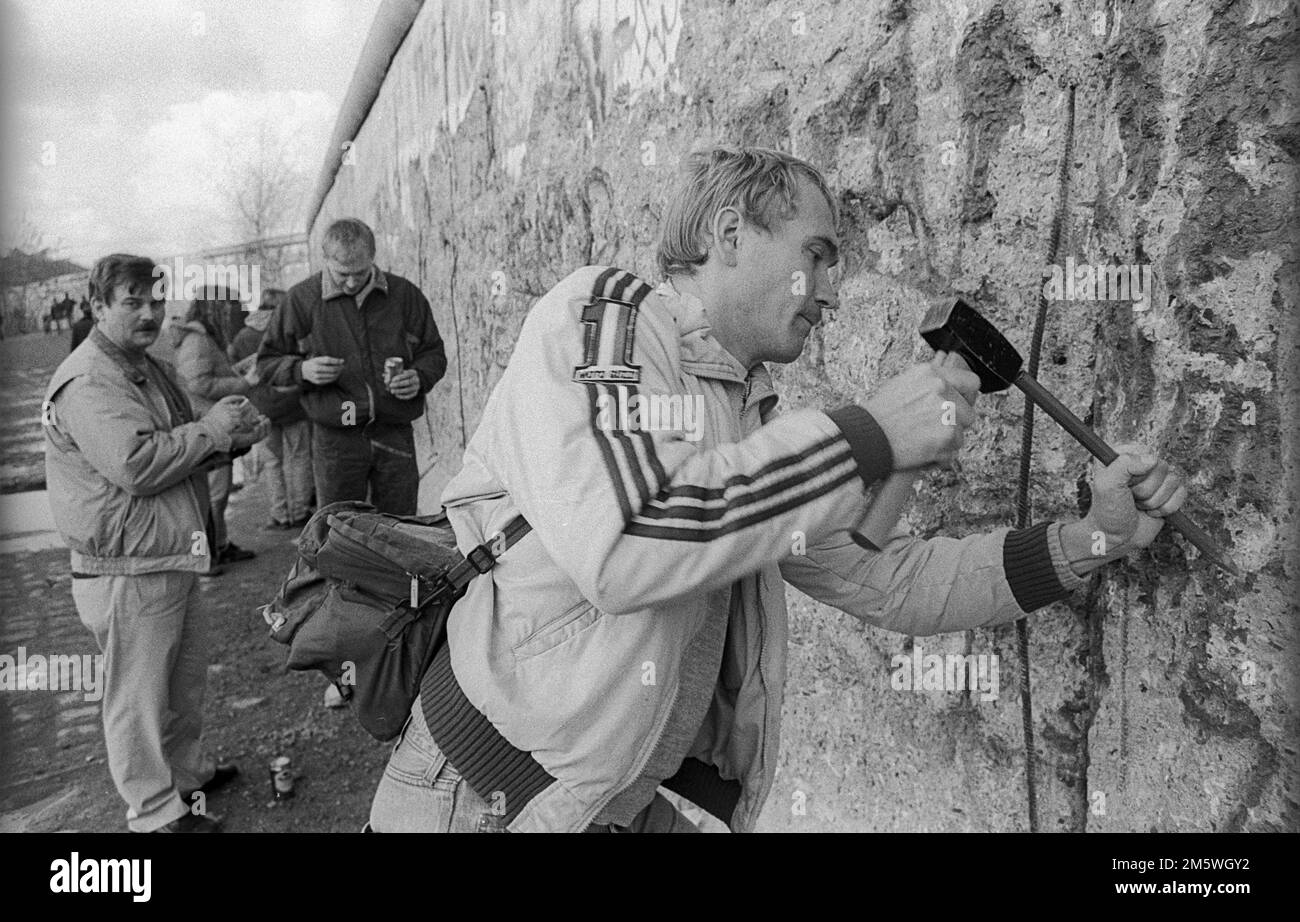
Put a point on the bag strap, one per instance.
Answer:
(484, 557)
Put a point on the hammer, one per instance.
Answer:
(961, 329)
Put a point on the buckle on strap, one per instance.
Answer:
(481, 559)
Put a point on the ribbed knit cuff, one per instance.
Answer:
(867, 441)
(1064, 572)
(1031, 572)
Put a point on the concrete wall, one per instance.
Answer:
(512, 142)
(25, 305)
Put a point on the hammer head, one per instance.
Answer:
(958, 327)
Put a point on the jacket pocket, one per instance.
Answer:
(155, 526)
(577, 619)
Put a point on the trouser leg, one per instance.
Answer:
(420, 791)
(341, 464)
(394, 475)
(191, 767)
(272, 452)
(138, 623)
(296, 467)
(219, 479)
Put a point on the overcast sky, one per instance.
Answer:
(120, 113)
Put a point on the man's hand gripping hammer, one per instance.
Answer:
(959, 328)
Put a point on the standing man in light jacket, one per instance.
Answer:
(636, 638)
(126, 461)
(332, 339)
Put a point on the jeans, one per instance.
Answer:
(421, 791)
(375, 463)
(285, 456)
(220, 479)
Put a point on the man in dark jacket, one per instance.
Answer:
(64, 311)
(85, 323)
(333, 339)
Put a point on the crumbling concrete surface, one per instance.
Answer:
(512, 142)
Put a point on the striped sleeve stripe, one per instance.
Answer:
(713, 510)
(618, 437)
(602, 437)
(812, 491)
(627, 450)
(834, 443)
(607, 452)
(658, 476)
(616, 446)
(618, 292)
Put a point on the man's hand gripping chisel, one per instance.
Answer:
(959, 328)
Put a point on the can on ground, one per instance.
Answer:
(281, 777)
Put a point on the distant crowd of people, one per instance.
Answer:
(61, 312)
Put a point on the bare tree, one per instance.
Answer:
(24, 236)
(264, 180)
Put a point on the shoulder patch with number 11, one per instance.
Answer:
(609, 326)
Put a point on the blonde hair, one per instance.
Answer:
(759, 182)
(347, 234)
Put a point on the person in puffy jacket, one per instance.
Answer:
(284, 459)
(206, 374)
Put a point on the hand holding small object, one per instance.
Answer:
(405, 384)
(323, 369)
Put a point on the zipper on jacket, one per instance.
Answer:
(765, 785)
(202, 513)
(370, 359)
(370, 398)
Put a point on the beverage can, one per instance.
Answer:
(392, 368)
(281, 777)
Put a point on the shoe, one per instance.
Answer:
(223, 775)
(276, 525)
(232, 553)
(212, 571)
(192, 822)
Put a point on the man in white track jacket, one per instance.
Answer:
(637, 636)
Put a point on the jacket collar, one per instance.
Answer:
(176, 405)
(329, 290)
(134, 373)
(704, 356)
